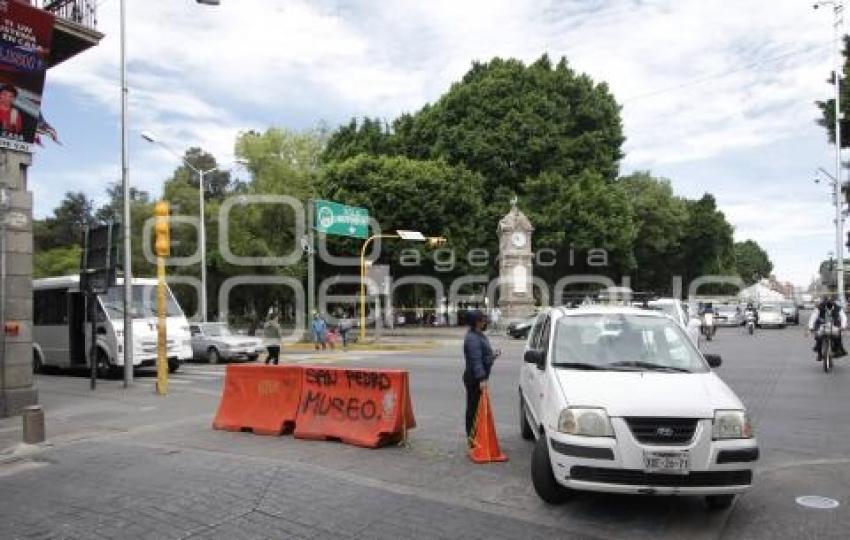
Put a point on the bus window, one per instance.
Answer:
(50, 307)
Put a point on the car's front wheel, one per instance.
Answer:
(542, 478)
(719, 502)
(213, 355)
(525, 429)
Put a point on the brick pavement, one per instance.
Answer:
(119, 489)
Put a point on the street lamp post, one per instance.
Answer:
(202, 228)
(838, 20)
(125, 188)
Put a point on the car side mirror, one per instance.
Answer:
(536, 357)
(713, 360)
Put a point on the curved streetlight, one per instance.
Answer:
(202, 229)
(413, 236)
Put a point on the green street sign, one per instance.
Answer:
(341, 220)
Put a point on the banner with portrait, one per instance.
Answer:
(26, 35)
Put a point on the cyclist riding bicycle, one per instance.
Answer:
(827, 310)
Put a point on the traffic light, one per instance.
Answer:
(162, 229)
(436, 241)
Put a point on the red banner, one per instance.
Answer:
(26, 35)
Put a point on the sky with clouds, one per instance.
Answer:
(717, 95)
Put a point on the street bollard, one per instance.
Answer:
(33, 424)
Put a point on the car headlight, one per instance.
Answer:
(587, 422)
(731, 424)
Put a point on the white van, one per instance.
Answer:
(62, 332)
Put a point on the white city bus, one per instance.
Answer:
(61, 331)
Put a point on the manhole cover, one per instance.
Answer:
(815, 501)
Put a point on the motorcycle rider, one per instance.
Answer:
(707, 314)
(826, 310)
(751, 310)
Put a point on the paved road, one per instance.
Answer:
(130, 464)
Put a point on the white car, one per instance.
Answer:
(620, 400)
(679, 312)
(771, 315)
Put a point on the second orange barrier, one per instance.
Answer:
(364, 407)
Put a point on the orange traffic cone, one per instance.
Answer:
(484, 444)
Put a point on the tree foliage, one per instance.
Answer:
(413, 194)
(751, 261)
(707, 244)
(65, 227)
(827, 107)
(56, 261)
(660, 219)
(509, 121)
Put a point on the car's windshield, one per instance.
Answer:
(624, 342)
(144, 302)
(217, 330)
(770, 309)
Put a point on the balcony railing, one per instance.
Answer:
(82, 12)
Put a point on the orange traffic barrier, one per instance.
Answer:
(364, 407)
(262, 399)
(484, 444)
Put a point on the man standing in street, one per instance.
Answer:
(271, 333)
(320, 329)
(479, 357)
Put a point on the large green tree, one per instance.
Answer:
(751, 261)
(577, 218)
(660, 219)
(539, 131)
(707, 244)
(510, 121)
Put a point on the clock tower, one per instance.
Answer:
(516, 298)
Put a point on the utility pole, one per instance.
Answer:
(202, 241)
(125, 186)
(837, 22)
(838, 10)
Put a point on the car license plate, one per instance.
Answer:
(666, 462)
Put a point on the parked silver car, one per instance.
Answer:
(216, 342)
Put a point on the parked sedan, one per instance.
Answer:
(216, 342)
(620, 400)
(519, 329)
(771, 315)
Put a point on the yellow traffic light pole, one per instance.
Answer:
(162, 247)
(363, 281)
(432, 241)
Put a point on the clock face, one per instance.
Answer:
(518, 239)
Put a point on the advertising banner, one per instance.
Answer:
(26, 34)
